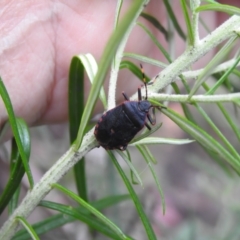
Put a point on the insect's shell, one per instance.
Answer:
(118, 126)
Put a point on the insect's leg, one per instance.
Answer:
(125, 96)
(144, 80)
(139, 94)
(151, 83)
(147, 125)
(152, 119)
(155, 78)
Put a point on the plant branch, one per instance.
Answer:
(168, 75)
(42, 188)
(171, 50)
(220, 68)
(195, 19)
(231, 97)
(118, 57)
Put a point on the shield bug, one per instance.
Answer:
(118, 126)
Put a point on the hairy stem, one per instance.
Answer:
(42, 188)
(169, 74)
(117, 60)
(231, 97)
(220, 68)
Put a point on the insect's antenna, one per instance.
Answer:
(144, 80)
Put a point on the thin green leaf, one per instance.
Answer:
(174, 20)
(146, 133)
(134, 69)
(75, 96)
(145, 153)
(212, 64)
(76, 88)
(118, 11)
(90, 65)
(131, 172)
(225, 82)
(15, 157)
(109, 201)
(203, 138)
(24, 136)
(155, 23)
(146, 223)
(189, 116)
(92, 210)
(127, 160)
(17, 167)
(188, 23)
(75, 111)
(14, 201)
(185, 108)
(98, 204)
(224, 77)
(149, 154)
(81, 179)
(78, 213)
(230, 121)
(17, 130)
(233, 125)
(158, 140)
(145, 59)
(219, 7)
(28, 227)
(236, 72)
(223, 138)
(219, 133)
(45, 226)
(210, 1)
(67, 216)
(106, 59)
(168, 57)
(213, 155)
(156, 42)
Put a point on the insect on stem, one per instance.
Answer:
(118, 126)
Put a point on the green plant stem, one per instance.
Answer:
(231, 97)
(168, 75)
(107, 57)
(171, 50)
(195, 20)
(118, 57)
(220, 68)
(42, 188)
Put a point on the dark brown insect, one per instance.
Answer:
(118, 126)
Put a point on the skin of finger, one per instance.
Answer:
(39, 39)
(36, 50)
